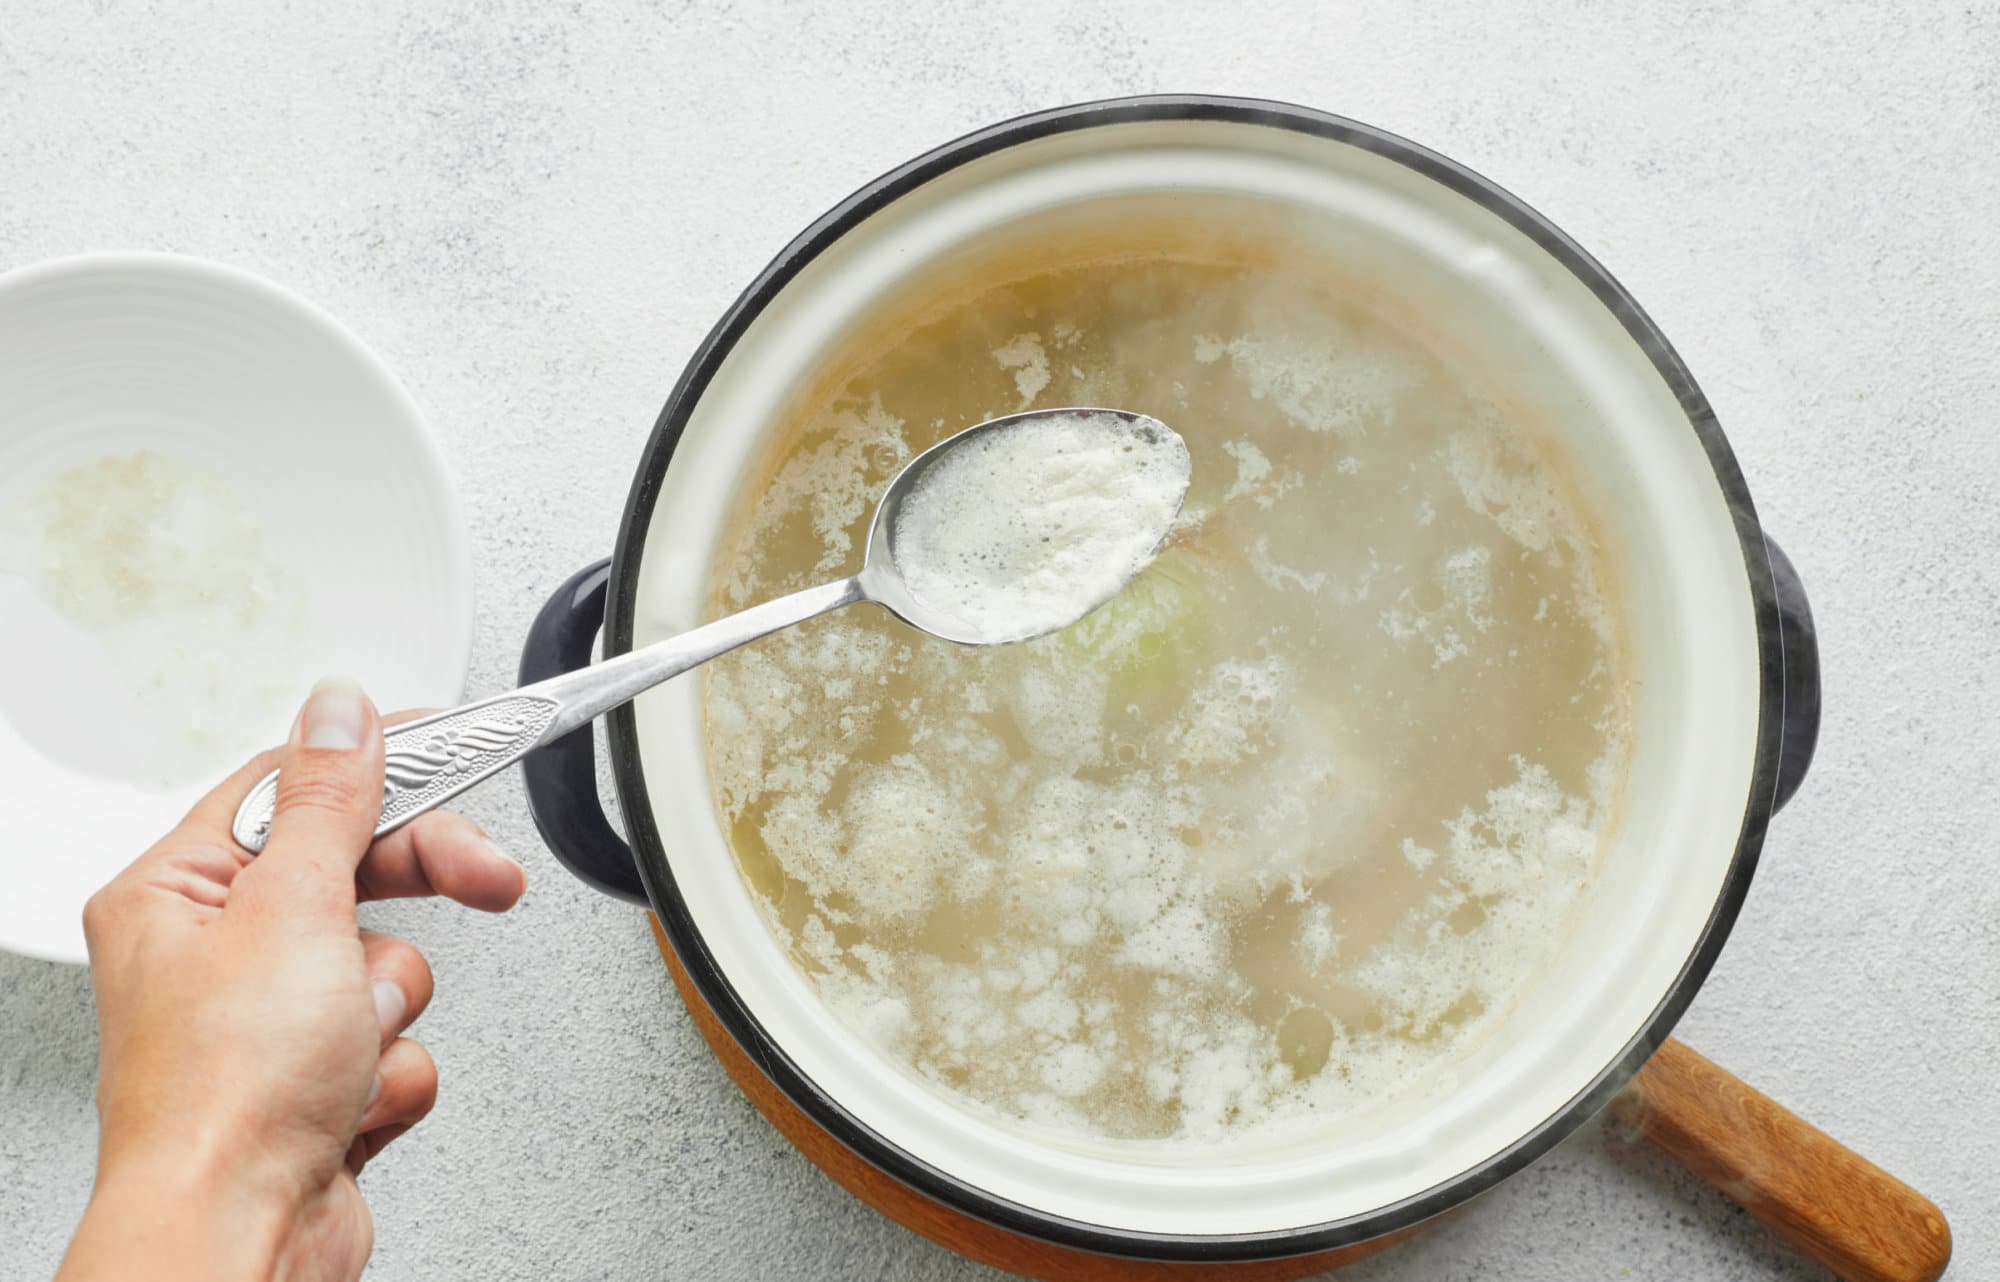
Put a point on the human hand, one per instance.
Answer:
(251, 1059)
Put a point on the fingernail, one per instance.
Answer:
(374, 1093)
(507, 858)
(335, 716)
(388, 1005)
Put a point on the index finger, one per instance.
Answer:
(441, 853)
(216, 811)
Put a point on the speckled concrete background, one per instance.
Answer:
(534, 210)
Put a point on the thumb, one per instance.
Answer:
(329, 798)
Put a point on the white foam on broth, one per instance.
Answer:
(1287, 825)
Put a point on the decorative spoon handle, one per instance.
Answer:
(430, 761)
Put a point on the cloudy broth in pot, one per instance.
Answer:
(1292, 820)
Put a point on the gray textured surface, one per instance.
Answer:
(533, 211)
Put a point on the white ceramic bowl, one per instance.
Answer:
(220, 371)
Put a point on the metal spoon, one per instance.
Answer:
(433, 760)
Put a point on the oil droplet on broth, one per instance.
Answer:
(1292, 820)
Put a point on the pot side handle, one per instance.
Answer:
(561, 776)
(1827, 1200)
(1799, 643)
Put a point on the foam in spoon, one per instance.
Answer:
(1031, 524)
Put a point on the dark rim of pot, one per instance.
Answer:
(940, 1184)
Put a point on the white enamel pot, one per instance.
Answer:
(1727, 701)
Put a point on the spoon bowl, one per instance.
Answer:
(882, 577)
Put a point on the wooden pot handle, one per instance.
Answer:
(1827, 1200)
